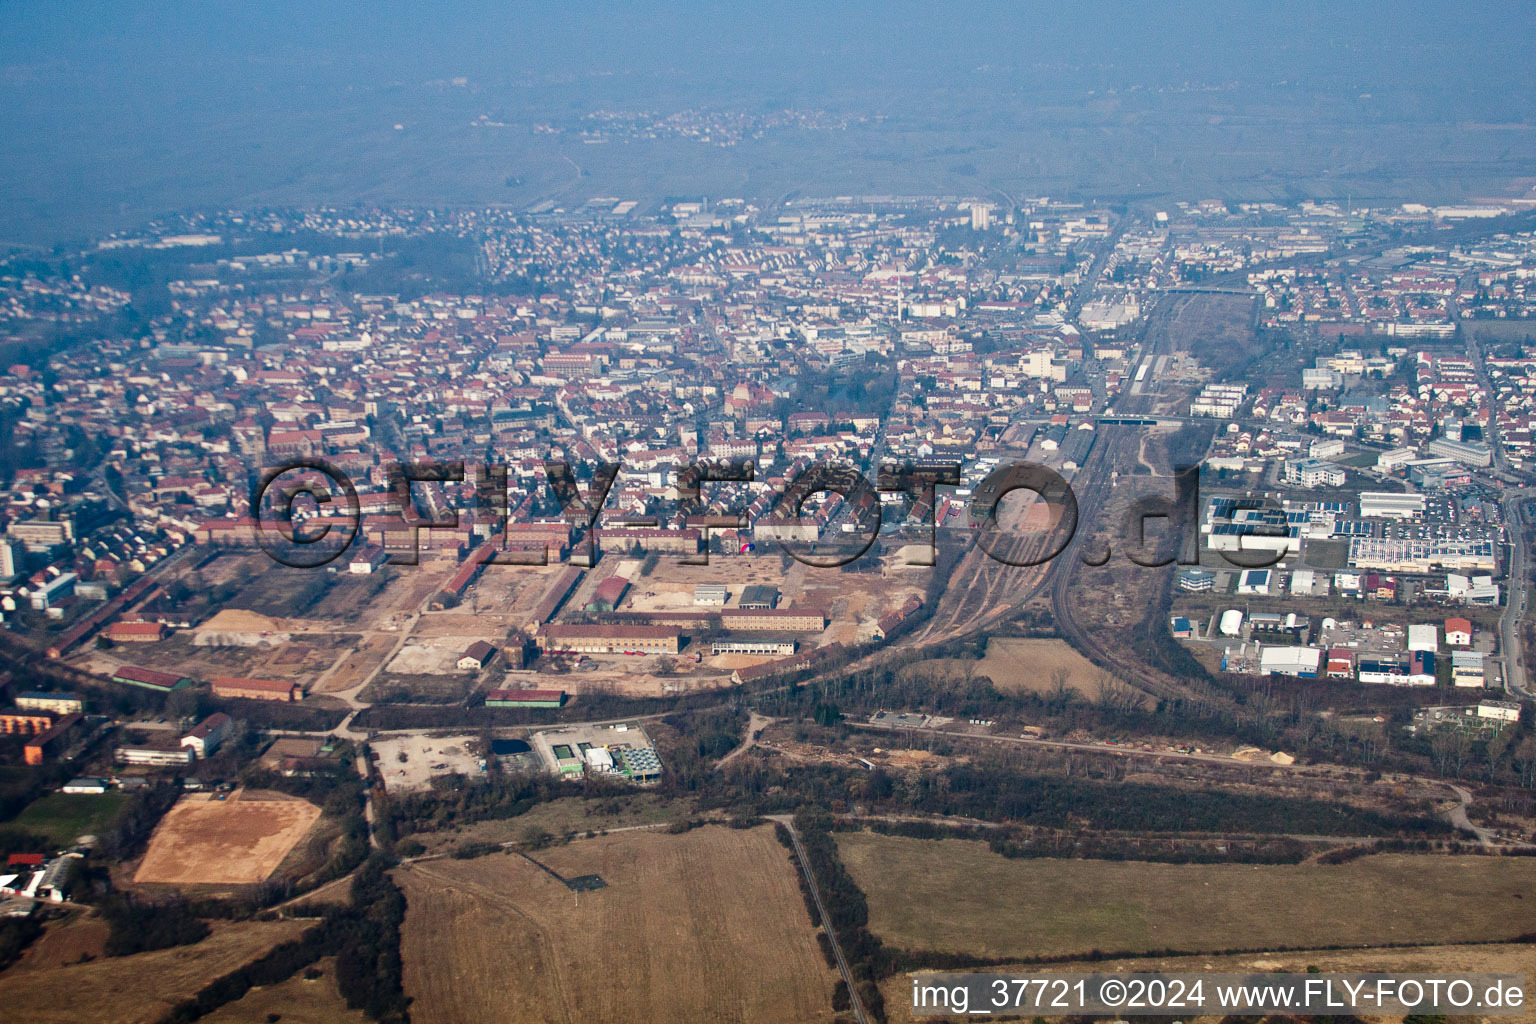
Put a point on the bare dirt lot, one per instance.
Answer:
(353, 667)
(438, 655)
(137, 989)
(959, 897)
(425, 757)
(704, 927)
(238, 841)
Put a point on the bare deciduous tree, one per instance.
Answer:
(1451, 748)
(1060, 693)
(1114, 694)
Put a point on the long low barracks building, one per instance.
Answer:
(605, 639)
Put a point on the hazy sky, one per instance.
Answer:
(1386, 44)
(113, 111)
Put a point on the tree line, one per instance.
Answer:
(364, 936)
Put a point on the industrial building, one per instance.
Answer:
(1301, 662)
(1423, 637)
(1254, 581)
(607, 595)
(137, 632)
(1306, 583)
(621, 750)
(758, 596)
(1233, 524)
(1499, 710)
(1390, 505)
(476, 656)
(1422, 555)
(710, 594)
(1467, 669)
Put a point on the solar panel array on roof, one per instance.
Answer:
(641, 761)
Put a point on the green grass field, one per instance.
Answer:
(62, 817)
(957, 896)
(1327, 554)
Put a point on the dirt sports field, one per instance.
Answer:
(238, 841)
(707, 927)
(957, 896)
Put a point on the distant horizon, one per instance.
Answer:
(116, 116)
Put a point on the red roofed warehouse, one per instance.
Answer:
(257, 689)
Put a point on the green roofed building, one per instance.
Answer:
(149, 679)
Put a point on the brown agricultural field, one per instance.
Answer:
(296, 1001)
(238, 841)
(137, 989)
(64, 942)
(1028, 665)
(708, 926)
(1017, 665)
(957, 896)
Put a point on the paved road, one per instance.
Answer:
(1514, 607)
(1460, 820)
